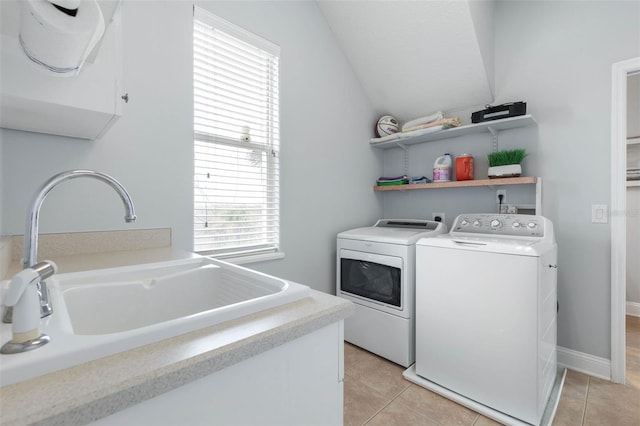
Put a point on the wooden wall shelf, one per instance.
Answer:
(460, 184)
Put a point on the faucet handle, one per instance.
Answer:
(24, 278)
(18, 285)
(45, 269)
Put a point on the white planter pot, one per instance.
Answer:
(511, 170)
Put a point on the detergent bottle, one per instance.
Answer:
(442, 168)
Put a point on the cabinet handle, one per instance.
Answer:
(125, 98)
(553, 266)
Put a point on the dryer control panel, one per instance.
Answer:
(518, 225)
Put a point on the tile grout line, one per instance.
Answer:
(586, 401)
(377, 412)
(387, 402)
(419, 413)
(393, 398)
(476, 420)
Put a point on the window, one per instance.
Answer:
(236, 139)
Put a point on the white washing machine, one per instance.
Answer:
(486, 315)
(376, 270)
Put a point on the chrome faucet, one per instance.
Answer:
(30, 253)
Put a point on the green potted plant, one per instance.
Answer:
(506, 163)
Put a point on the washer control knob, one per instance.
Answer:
(496, 224)
(516, 225)
(532, 225)
(464, 222)
(477, 223)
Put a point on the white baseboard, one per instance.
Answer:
(633, 309)
(584, 363)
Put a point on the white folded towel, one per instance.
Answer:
(399, 136)
(423, 120)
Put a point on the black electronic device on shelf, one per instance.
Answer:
(512, 109)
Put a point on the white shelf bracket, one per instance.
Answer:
(406, 157)
(494, 133)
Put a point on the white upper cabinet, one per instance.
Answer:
(83, 106)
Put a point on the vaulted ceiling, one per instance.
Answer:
(416, 57)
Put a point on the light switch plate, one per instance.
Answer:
(599, 213)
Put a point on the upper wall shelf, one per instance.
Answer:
(489, 126)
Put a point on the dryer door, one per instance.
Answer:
(372, 277)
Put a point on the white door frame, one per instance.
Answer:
(620, 71)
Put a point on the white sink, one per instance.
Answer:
(113, 306)
(102, 312)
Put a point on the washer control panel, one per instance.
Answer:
(520, 225)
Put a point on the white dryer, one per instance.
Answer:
(376, 271)
(486, 315)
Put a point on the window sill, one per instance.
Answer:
(240, 260)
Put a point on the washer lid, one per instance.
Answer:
(515, 246)
(387, 233)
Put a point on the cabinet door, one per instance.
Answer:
(297, 383)
(82, 106)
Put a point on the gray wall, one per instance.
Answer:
(327, 168)
(557, 57)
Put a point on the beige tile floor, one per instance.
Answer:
(376, 394)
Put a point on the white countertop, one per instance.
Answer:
(87, 392)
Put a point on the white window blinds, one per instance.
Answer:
(236, 139)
